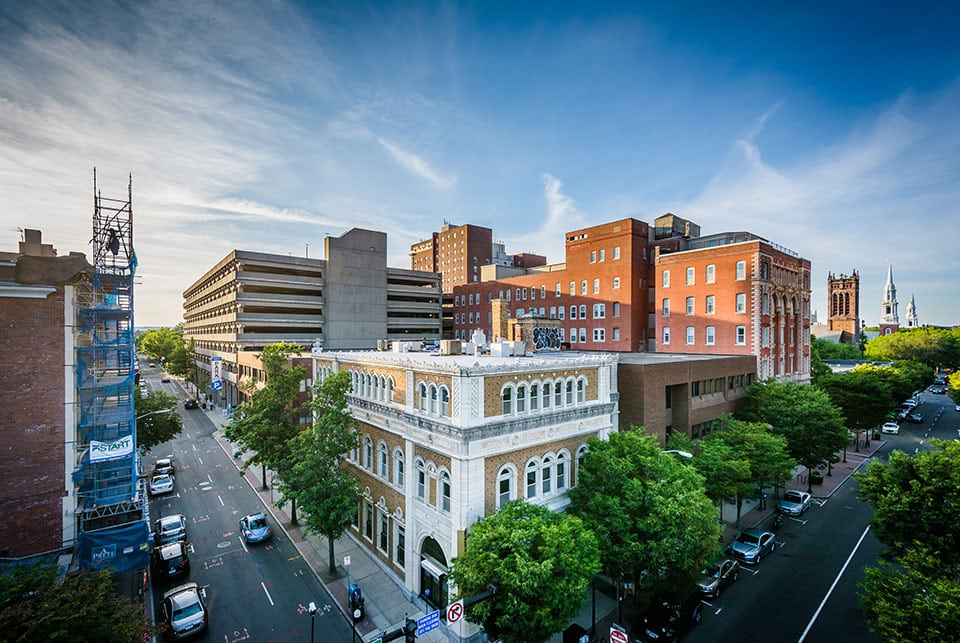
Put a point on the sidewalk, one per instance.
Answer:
(388, 603)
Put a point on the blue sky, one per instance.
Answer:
(830, 128)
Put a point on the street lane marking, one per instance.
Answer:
(200, 460)
(836, 580)
(221, 500)
(266, 592)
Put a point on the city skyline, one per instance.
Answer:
(831, 130)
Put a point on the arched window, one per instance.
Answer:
(422, 394)
(569, 393)
(521, 398)
(581, 454)
(421, 480)
(445, 491)
(506, 486)
(433, 399)
(534, 397)
(581, 391)
(558, 394)
(531, 479)
(444, 401)
(382, 464)
(389, 389)
(547, 394)
(506, 397)
(561, 471)
(398, 467)
(367, 452)
(546, 476)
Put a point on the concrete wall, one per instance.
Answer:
(355, 291)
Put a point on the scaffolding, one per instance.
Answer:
(111, 508)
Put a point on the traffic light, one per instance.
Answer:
(410, 631)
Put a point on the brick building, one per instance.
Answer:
(37, 351)
(843, 301)
(447, 439)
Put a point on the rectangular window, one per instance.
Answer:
(421, 482)
(666, 335)
(665, 307)
(602, 255)
(616, 252)
(445, 493)
(573, 335)
(711, 274)
(599, 311)
(616, 283)
(560, 312)
(553, 312)
(573, 288)
(531, 483)
(573, 312)
(400, 548)
(543, 292)
(557, 286)
(690, 305)
(695, 389)
(518, 294)
(616, 334)
(741, 302)
(691, 336)
(665, 279)
(691, 273)
(583, 311)
(711, 305)
(583, 287)
(368, 521)
(583, 335)
(524, 293)
(596, 286)
(593, 256)
(741, 335)
(383, 534)
(599, 334)
(711, 336)
(616, 309)
(741, 270)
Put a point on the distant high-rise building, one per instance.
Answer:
(844, 304)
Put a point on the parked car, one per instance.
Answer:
(902, 415)
(170, 560)
(890, 427)
(164, 465)
(794, 503)
(751, 545)
(165, 378)
(184, 611)
(170, 529)
(161, 484)
(916, 418)
(190, 403)
(668, 617)
(717, 575)
(909, 404)
(255, 528)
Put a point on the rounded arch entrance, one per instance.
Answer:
(433, 573)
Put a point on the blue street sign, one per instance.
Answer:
(216, 386)
(429, 622)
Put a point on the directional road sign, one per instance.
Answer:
(429, 622)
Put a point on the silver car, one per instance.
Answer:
(184, 611)
(170, 529)
(161, 484)
(794, 503)
(751, 545)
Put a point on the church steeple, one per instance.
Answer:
(912, 321)
(889, 319)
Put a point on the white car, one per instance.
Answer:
(890, 427)
(161, 484)
(794, 503)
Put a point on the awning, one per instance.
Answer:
(433, 568)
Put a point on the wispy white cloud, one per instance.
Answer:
(413, 163)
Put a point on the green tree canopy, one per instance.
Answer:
(804, 415)
(159, 342)
(542, 563)
(180, 360)
(930, 346)
(270, 418)
(655, 523)
(829, 351)
(315, 476)
(155, 427)
(34, 606)
(864, 398)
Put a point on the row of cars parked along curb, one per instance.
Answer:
(669, 616)
(183, 608)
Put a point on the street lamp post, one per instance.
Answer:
(170, 410)
(313, 613)
(682, 454)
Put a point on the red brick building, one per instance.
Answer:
(36, 417)
(456, 252)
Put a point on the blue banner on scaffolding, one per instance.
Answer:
(121, 549)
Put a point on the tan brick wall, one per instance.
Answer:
(492, 405)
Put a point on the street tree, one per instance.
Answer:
(36, 606)
(540, 564)
(863, 397)
(159, 342)
(804, 415)
(650, 511)
(913, 600)
(826, 350)
(930, 346)
(916, 501)
(315, 476)
(154, 426)
(270, 418)
(903, 378)
(726, 474)
(180, 361)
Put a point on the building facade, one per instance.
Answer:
(349, 300)
(736, 294)
(448, 439)
(843, 293)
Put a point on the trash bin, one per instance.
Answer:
(356, 602)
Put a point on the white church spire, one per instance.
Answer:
(889, 314)
(912, 321)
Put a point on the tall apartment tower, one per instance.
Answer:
(844, 299)
(456, 252)
(889, 319)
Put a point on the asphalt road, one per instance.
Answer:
(255, 592)
(806, 590)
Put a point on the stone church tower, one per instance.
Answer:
(843, 294)
(889, 318)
